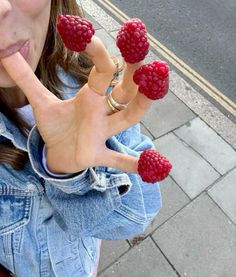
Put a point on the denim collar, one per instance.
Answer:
(11, 132)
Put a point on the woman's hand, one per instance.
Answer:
(75, 130)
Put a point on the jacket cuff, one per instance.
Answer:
(79, 183)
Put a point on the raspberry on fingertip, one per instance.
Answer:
(153, 79)
(132, 41)
(75, 31)
(153, 166)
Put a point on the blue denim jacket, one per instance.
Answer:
(51, 226)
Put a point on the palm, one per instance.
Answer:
(71, 122)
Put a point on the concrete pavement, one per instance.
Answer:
(195, 232)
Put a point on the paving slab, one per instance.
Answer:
(166, 115)
(209, 144)
(111, 251)
(173, 200)
(200, 241)
(224, 194)
(144, 260)
(191, 172)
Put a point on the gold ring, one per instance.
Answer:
(115, 104)
(113, 109)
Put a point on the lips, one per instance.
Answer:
(21, 46)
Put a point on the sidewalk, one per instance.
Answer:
(195, 232)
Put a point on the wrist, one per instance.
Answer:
(49, 172)
(53, 162)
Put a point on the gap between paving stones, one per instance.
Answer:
(116, 260)
(220, 178)
(191, 147)
(174, 269)
(229, 219)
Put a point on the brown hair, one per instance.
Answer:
(54, 53)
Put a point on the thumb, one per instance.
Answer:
(22, 74)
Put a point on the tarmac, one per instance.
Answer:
(194, 234)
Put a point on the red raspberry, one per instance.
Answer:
(76, 32)
(132, 41)
(153, 79)
(152, 166)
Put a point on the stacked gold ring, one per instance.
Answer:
(115, 106)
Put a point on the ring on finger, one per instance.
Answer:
(115, 106)
(113, 109)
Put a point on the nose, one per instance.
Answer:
(5, 8)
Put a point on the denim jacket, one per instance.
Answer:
(50, 226)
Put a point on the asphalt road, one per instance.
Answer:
(200, 32)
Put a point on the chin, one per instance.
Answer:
(6, 81)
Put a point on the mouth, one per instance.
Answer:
(21, 46)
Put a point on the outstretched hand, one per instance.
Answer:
(75, 130)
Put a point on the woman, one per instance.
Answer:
(63, 185)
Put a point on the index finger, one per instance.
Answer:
(104, 68)
(22, 74)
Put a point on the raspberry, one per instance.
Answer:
(132, 41)
(153, 79)
(76, 32)
(152, 166)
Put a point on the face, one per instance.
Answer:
(23, 28)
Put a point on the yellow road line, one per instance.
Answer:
(223, 100)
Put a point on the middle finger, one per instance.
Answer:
(104, 67)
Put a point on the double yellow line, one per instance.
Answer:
(224, 101)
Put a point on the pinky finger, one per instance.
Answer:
(117, 160)
(151, 165)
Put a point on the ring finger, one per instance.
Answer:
(125, 90)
